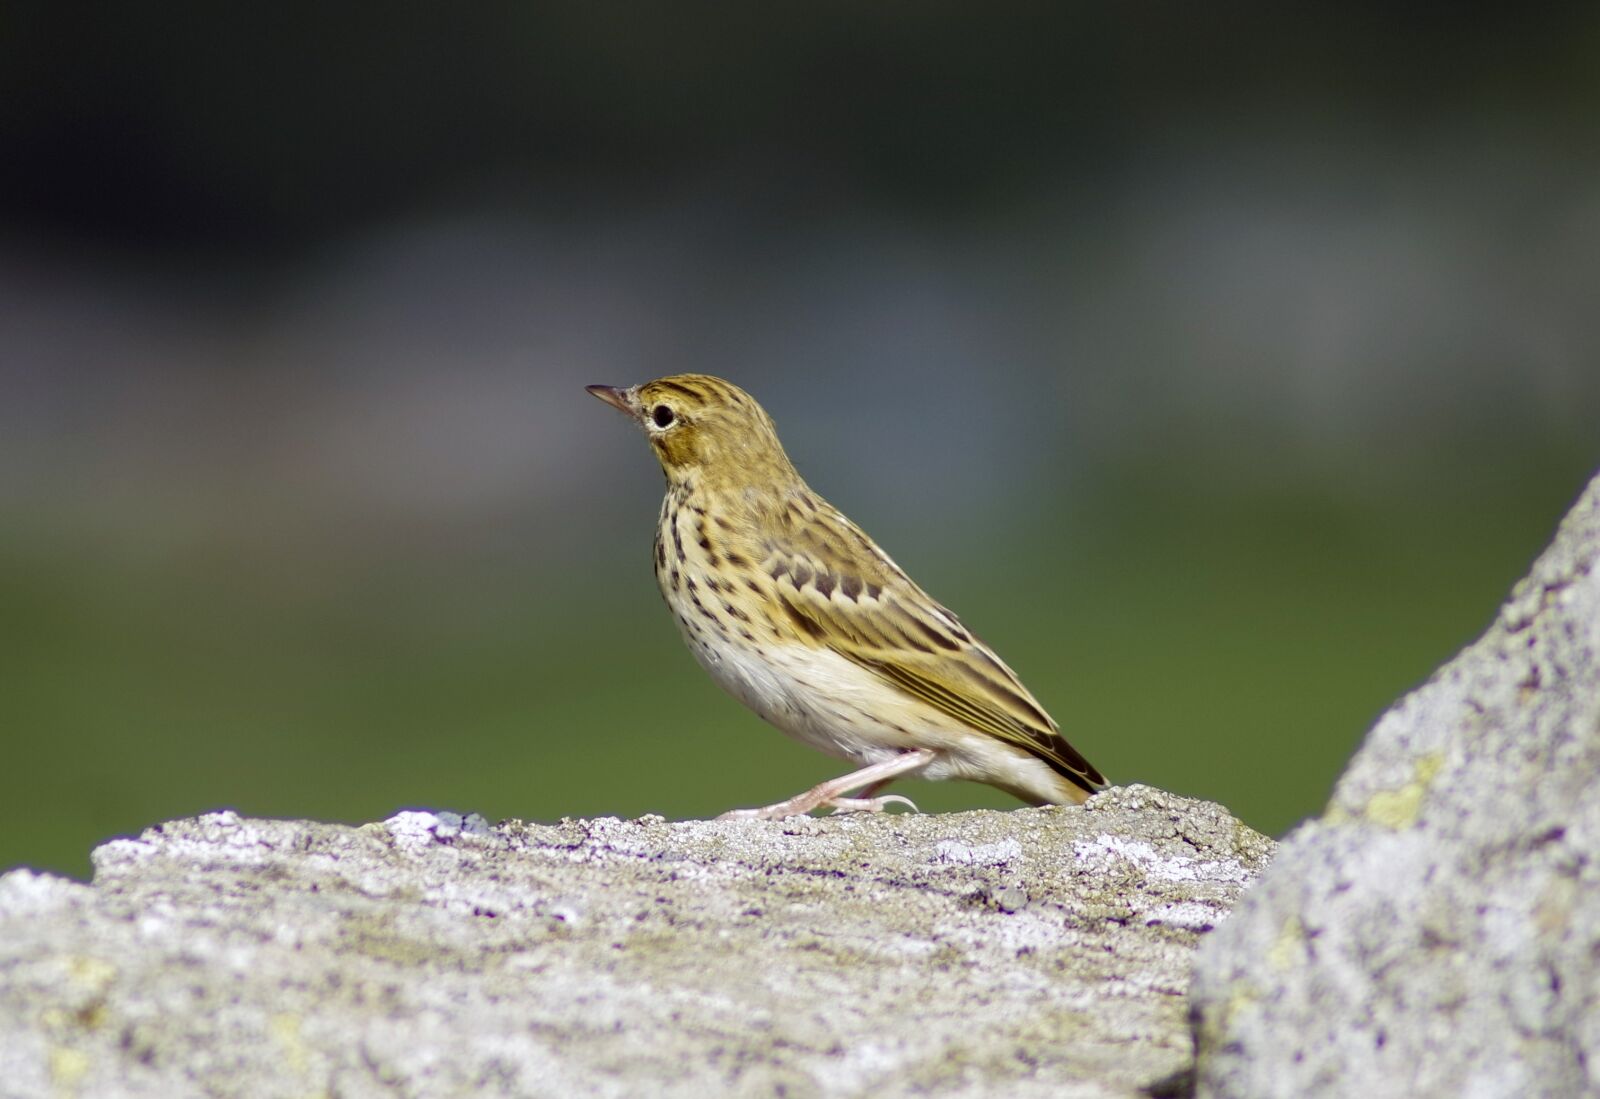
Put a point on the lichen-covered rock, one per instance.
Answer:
(1437, 932)
(1037, 952)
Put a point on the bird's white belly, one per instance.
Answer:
(814, 695)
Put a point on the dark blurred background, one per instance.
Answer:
(1223, 366)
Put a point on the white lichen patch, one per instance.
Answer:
(1112, 853)
(412, 830)
(28, 894)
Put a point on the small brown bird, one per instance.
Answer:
(800, 616)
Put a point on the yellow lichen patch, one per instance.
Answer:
(91, 972)
(1398, 809)
(285, 1029)
(1215, 1025)
(68, 1067)
(1287, 950)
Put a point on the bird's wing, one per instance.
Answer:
(840, 590)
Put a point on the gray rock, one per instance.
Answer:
(1037, 952)
(1437, 932)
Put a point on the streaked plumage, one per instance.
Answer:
(798, 614)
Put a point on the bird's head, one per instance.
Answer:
(705, 428)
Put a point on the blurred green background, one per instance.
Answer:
(1223, 368)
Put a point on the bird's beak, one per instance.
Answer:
(623, 400)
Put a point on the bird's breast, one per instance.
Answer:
(729, 618)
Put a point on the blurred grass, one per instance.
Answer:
(1232, 644)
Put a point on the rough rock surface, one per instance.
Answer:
(1437, 932)
(1037, 952)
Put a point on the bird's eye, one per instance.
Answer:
(662, 415)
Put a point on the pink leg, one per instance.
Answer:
(831, 793)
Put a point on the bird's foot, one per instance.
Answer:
(831, 793)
